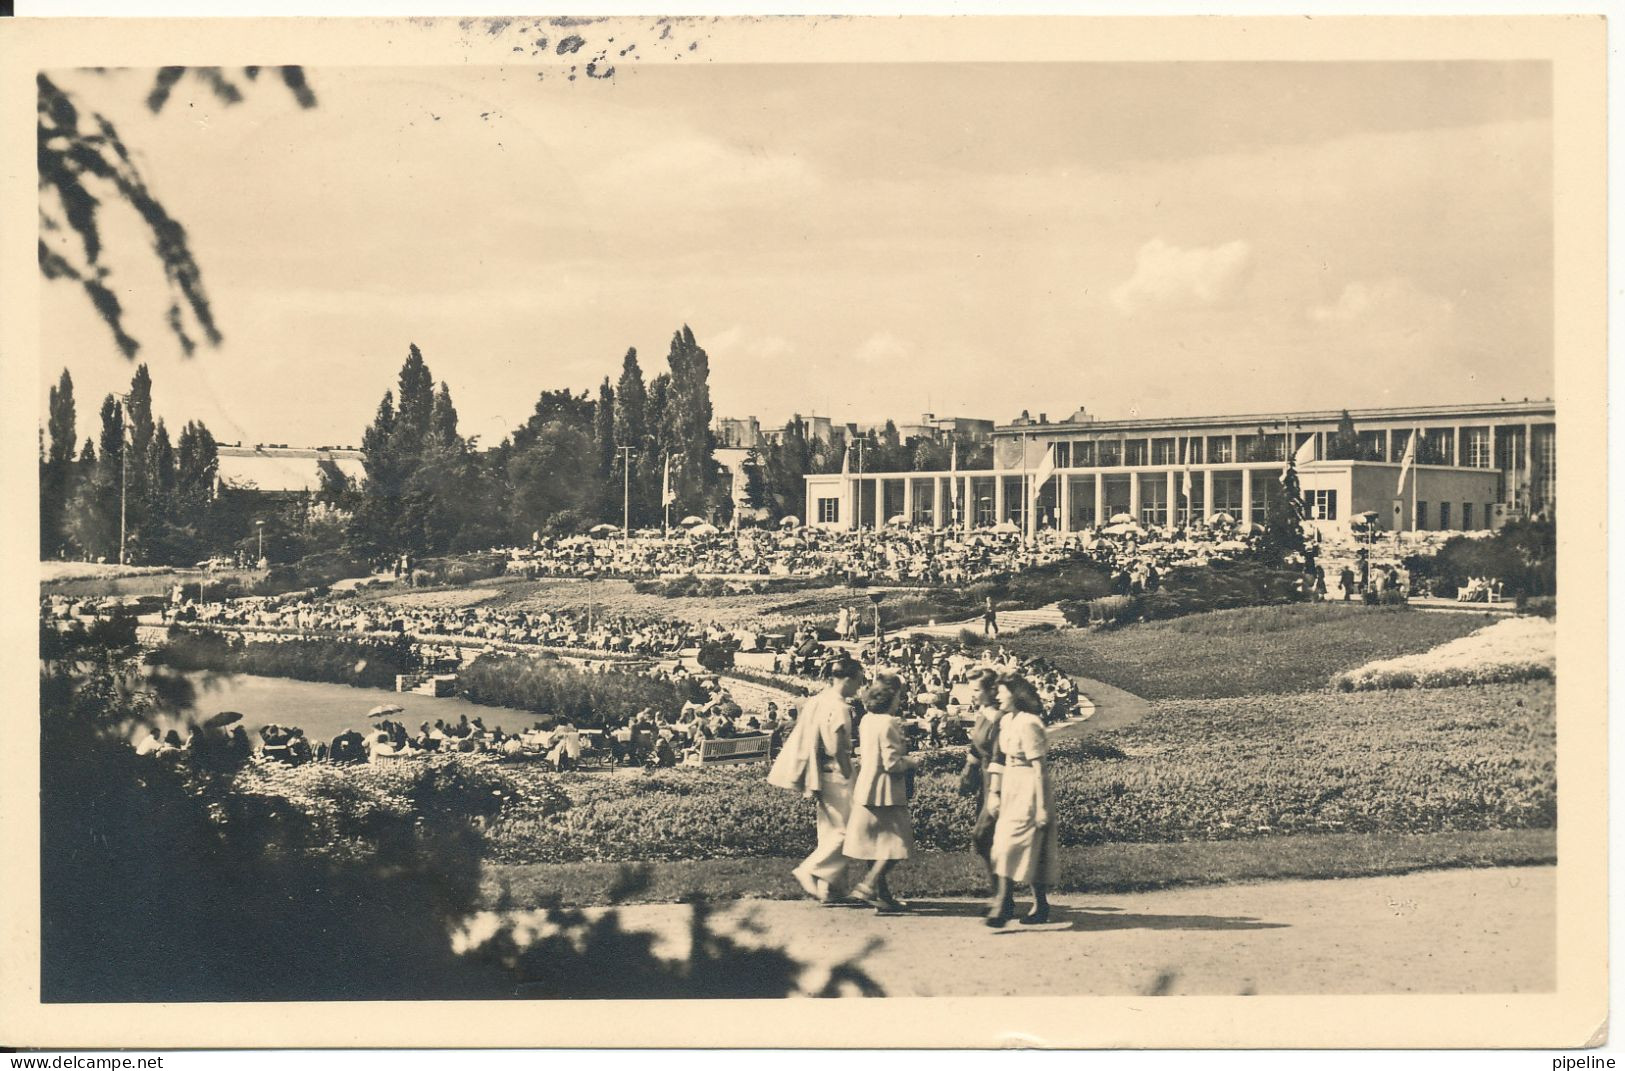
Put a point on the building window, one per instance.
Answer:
(1438, 447)
(1082, 496)
(1219, 450)
(1421, 515)
(1265, 487)
(1193, 449)
(1063, 455)
(1134, 452)
(1475, 442)
(829, 511)
(1111, 453)
(1083, 454)
(1323, 505)
(1153, 499)
(1444, 516)
(1193, 498)
(1509, 448)
(1227, 493)
(1544, 491)
(1163, 452)
(1370, 446)
(1466, 516)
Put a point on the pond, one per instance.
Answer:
(325, 710)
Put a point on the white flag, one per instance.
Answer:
(846, 460)
(1306, 452)
(1406, 463)
(667, 496)
(1046, 469)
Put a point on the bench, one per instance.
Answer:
(754, 748)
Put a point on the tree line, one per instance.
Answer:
(638, 448)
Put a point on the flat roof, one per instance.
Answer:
(1540, 406)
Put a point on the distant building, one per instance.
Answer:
(745, 433)
(282, 470)
(1472, 466)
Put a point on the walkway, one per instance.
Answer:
(1443, 931)
(1009, 621)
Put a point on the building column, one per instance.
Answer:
(1134, 496)
(937, 485)
(1455, 452)
(1207, 494)
(851, 497)
(1246, 496)
(1173, 497)
(1388, 444)
(1100, 498)
(998, 498)
(908, 498)
(967, 518)
(1529, 462)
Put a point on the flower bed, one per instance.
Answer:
(1517, 649)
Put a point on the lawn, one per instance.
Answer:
(1264, 768)
(1253, 651)
(1095, 868)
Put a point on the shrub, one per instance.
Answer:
(547, 686)
(1522, 555)
(715, 656)
(364, 663)
(1111, 610)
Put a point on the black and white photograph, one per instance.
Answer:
(703, 510)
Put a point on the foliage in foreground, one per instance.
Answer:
(162, 879)
(553, 688)
(1460, 759)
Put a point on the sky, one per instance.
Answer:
(858, 240)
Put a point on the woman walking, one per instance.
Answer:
(980, 777)
(880, 828)
(1024, 835)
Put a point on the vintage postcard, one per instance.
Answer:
(1032, 531)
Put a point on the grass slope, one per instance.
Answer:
(1255, 651)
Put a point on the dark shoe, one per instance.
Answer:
(893, 903)
(1000, 915)
(1036, 917)
(870, 897)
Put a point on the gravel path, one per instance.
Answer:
(1448, 931)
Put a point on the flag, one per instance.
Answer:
(1185, 467)
(1306, 452)
(1406, 462)
(1046, 469)
(846, 460)
(667, 496)
(953, 475)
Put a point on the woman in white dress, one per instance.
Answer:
(880, 827)
(1024, 834)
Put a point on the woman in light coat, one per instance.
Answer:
(1024, 835)
(880, 827)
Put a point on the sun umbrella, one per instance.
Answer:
(899, 521)
(1006, 528)
(603, 529)
(1122, 518)
(703, 529)
(223, 719)
(384, 710)
(1221, 518)
(789, 522)
(691, 520)
(1121, 529)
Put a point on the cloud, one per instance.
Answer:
(1391, 303)
(883, 348)
(1169, 275)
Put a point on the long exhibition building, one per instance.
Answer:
(1471, 466)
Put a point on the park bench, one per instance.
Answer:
(754, 748)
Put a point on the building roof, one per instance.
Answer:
(1518, 409)
(283, 469)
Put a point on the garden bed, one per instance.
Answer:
(1517, 649)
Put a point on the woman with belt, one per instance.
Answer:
(880, 827)
(1024, 835)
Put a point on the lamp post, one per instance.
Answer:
(626, 453)
(259, 530)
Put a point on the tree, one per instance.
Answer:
(556, 486)
(688, 423)
(83, 162)
(603, 426)
(57, 469)
(1284, 514)
(443, 417)
(1344, 443)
